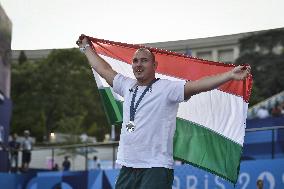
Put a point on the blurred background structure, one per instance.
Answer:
(5, 85)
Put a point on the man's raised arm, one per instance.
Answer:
(208, 83)
(98, 64)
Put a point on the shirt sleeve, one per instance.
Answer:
(120, 84)
(176, 91)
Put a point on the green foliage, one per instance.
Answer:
(56, 93)
(265, 41)
(255, 97)
(267, 66)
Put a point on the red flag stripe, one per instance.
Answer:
(176, 65)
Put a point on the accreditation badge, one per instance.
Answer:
(130, 126)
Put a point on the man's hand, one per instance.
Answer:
(98, 64)
(82, 41)
(240, 72)
(213, 82)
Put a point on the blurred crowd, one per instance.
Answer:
(276, 111)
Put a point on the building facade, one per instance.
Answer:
(220, 48)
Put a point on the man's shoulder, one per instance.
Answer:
(168, 82)
(127, 78)
(123, 80)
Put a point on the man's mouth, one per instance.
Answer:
(139, 71)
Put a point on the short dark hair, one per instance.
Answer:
(146, 49)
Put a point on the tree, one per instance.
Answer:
(22, 57)
(49, 93)
(262, 52)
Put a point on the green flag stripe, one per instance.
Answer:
(113, 108)
(209, 150)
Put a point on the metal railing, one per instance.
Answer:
(273, 130)
(81, 155)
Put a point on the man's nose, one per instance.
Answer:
(139, 63)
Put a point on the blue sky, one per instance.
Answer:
(44, 24)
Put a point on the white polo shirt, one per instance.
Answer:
(151, 143)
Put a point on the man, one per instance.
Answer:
(27, 146)
(262, 113)
(149, 115)
(259, 184)
(14, 147)
(66, 164)
(96, 163)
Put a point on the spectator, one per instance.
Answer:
(259, 184)
(99, 166)
(276, 111)
(55, 167)
(262, 113)
(66, 164)
(96, 163)
(27, 146)
(14, 147)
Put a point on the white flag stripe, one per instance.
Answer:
(119, 66)
(101, 83)
(219, 111)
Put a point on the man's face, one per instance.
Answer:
(143, 65)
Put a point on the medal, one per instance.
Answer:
(130, 127)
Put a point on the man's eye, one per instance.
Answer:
(144, 60)
(135, 60)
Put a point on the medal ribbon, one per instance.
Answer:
(133, 107)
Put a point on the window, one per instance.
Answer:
(206, 55)
(226, 56)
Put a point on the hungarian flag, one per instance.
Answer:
(210, 126)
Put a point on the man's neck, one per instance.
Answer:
(145, 82)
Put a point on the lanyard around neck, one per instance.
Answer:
(133, 106)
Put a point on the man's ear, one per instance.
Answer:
(155, 65)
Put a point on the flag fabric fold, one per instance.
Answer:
(210, 126)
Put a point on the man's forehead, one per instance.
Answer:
(143, 53)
